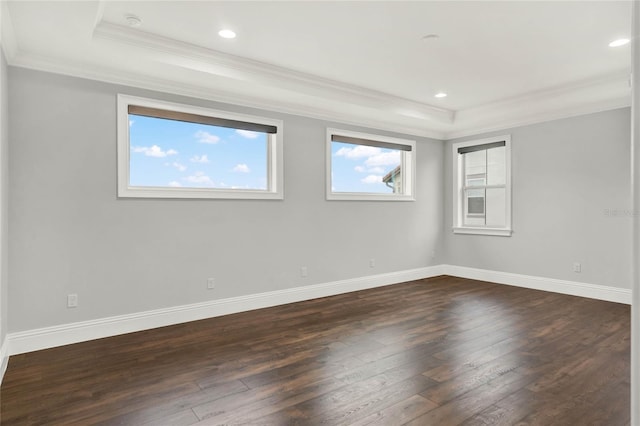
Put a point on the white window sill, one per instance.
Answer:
(501, 232)
(202, 193)
(351, 196)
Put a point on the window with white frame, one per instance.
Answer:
(482, 186)
(168, 150)
(363, 166)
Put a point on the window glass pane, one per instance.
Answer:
(474, 213)
(168, 153)
(366, 169)
(476, 205)
(475, 201)
(475, 167)
(496, 214)
(496, 166)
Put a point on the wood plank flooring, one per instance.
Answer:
(442, 351)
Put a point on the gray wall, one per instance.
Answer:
(69, 233)
(4, 194)
(566, 175)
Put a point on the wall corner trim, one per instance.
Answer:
(573, 288)
(65, 334)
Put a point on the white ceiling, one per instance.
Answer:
(502, 63)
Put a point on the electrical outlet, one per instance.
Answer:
(211, 283)
(372, 263)
(72, 300)
(577, 267)
(303, 271)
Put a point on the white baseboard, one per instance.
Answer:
(49, 337)
(592, 291)
(4, 357)
(65, 334)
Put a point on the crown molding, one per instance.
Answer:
(505, 122)
(606, 93)
(598, 94)
(173, 65)
(186, 55)
(334, 113)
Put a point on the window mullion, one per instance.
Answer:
(484, 187)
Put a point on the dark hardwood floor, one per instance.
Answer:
(442, 351)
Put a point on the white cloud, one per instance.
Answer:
(376, 170)
(242, 168)
(131, 123)
(372, 179)
(199, 159)
(206, 137)
(179, 166)
(359, 151)
(247, 134)
(175, 184)
(199, 178)
(389, 158)
(154, 151)
(359, 169)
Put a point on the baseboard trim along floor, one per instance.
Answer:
(48, 337)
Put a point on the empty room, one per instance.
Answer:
(319, 213)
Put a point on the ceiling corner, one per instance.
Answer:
(603, 93)
(8, 41)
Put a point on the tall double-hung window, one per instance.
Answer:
(482, 186)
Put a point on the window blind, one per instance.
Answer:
(482, 147)
(201, 119)
(369, 142)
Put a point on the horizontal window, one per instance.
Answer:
(168, 150)
(369, 167)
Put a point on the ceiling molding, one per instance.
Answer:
(529, 109)
(297, 93)
(538, 117)
(174, 52)
(584, 97)
(141, 81)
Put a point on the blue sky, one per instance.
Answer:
(360, 168)
(169, 153)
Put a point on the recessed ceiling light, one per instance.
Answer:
(619, 42)
(440, 95)
(133, 20)
(227, 34)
